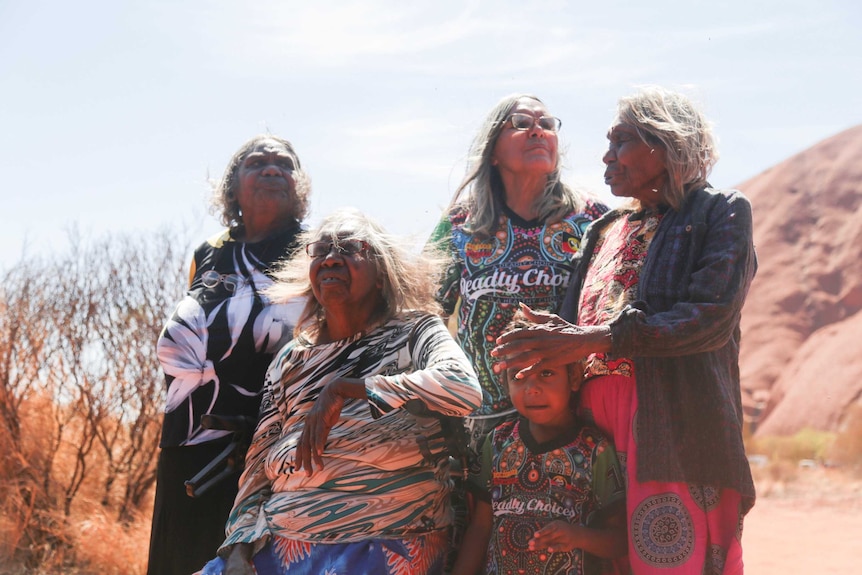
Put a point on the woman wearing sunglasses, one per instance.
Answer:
(347, 472)
(216, 346)
(511, 231)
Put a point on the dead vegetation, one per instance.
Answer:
(81, 398)
(80, 402)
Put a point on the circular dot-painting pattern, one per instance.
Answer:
(662, 531)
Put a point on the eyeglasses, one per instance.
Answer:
(348, 247)
(231, 282)
(526, 121)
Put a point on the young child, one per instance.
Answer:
(550, 496)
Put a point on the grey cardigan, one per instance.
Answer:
(683, 335)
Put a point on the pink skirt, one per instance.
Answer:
(673, 528)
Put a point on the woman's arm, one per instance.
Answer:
(703, 320)
(709, 297)
(444, 380)
(550, 342)
(474, 547)
(321, 417)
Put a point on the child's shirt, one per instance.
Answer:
(573, 478)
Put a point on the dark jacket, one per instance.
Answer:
(683, 335)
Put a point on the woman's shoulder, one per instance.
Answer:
(708, 193)
(212, 244)
(594, 208)
(414, 318)
(458, 214)
(709, 200)
(216, 240)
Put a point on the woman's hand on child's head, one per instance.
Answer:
(549, 341)
(557, 536)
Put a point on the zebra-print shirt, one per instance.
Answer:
(384, 475)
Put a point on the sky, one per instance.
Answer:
(115, 115)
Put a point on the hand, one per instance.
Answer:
(318, 422)
(239, 560)
(557, 536)
(550, 342)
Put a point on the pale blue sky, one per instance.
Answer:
(113, 113)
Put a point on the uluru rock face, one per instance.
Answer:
(801, 356)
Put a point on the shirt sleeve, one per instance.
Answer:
(443, 379)
(608, 485)
(450, 284)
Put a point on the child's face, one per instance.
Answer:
(543, 397)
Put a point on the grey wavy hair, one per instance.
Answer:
(224, 200)
(673, 121)
(409, 279)
(481, 190)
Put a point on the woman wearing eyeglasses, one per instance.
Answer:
(215, 348)
(347, 472)
(654, 309)
(511, 231)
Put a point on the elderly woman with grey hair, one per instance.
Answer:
(215, 348)
(347, 471)
(654, 307)
(511, 231)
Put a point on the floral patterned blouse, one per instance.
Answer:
(215, 348)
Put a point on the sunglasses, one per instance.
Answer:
(526, 122)
(231, 282)
(342, 247)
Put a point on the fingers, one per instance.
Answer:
(303, 452)
(309, 449)
(550, 537)
(538, 352)
(541, 317)
(533, 315)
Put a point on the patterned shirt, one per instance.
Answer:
(523, 261)
(215, 348)
(385, 473)
(611, 282)
(571, 478)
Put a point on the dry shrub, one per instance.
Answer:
(783, 454)
(772, 479)
(846, 451)
(90, 541)
(805, 444)
(108, 547)
(32, 531)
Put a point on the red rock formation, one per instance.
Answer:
(802, 326)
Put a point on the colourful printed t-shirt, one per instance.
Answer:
(523, 261)
(571, 478)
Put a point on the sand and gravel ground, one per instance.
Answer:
(812, 524)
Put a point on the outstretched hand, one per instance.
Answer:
(550, 342)
(318, 422)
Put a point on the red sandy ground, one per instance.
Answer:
(810, 525)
